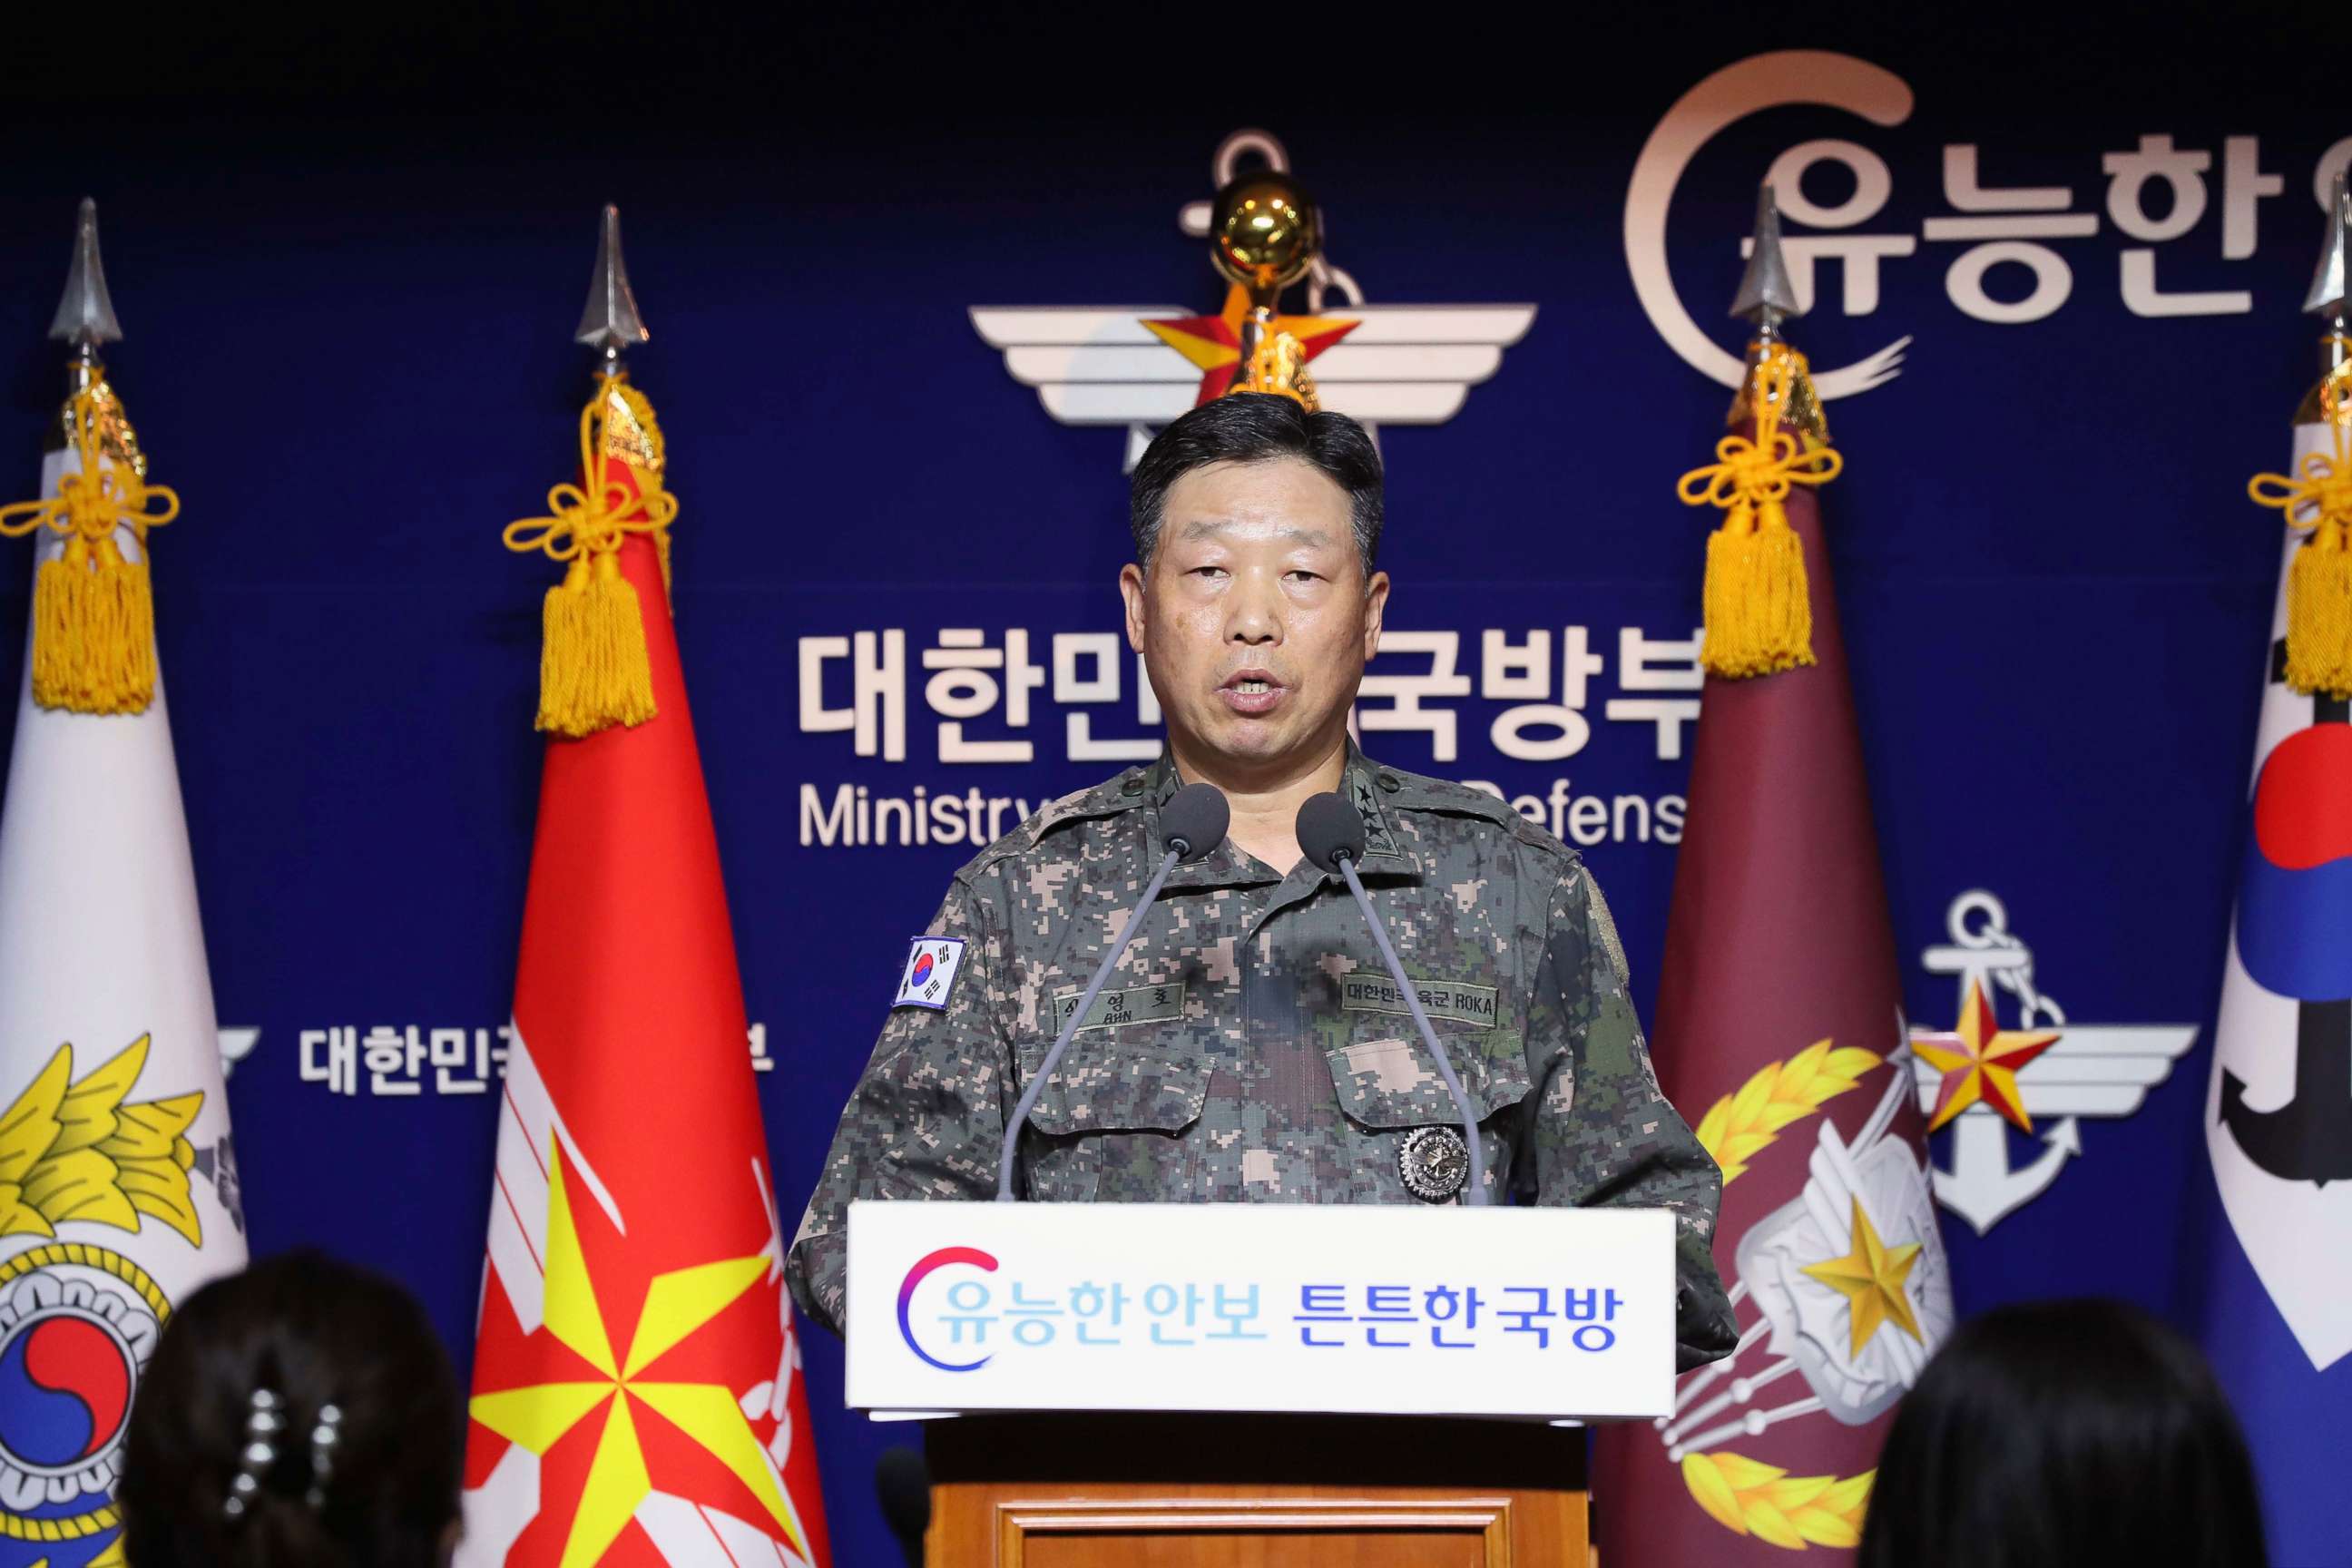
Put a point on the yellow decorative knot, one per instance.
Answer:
(2319, 580)
(1759, 618)
(93, 611)
(593, 669)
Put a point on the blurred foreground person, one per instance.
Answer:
(302, 1412)
(2062, 1433)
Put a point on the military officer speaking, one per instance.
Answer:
(1250, 1046)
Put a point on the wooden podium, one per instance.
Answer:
(1071, 1490)
(1258, 1385)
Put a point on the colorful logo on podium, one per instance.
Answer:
(925, 1267)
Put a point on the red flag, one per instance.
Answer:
(1779, 1030)
(637, 1396)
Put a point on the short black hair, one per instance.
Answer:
(2074, 1431)
(314, 1332)
(1259, 428)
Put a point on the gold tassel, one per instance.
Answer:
(1759, 613)
(2318, 496)
(593, 669)
(1760, 617)
(93, 610)
(2319, 612)
(593, 673)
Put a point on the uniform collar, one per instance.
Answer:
(1372, 788)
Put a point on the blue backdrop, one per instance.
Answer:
(348, 272)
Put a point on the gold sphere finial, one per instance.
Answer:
(1264, 233)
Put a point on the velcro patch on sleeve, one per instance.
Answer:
(930, 973)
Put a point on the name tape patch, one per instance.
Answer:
(930, 973)
(1449, 1001)
(1117, 1009)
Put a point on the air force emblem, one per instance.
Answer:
(2041, 1078)
(1140, 366)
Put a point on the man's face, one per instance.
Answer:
(1255, 619)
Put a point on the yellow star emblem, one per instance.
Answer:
(1871, 1279)
(1979, 1061)
(676, 1306)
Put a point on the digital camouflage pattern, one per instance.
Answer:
(1250, 1047)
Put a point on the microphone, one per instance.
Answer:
(903, 1481)
(1191, 825)
(1332, 834)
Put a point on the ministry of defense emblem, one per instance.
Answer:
(2039, 1078)
(1848, 1289)
(1140, 366)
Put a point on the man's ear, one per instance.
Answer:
(1376, 603)
(1131, 589)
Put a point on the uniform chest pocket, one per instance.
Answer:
(1391, 1081)
(1101, 1086)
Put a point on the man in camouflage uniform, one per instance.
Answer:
(1250, 1047)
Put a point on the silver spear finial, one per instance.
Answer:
(2327, 279)
(611, 323)
(1766, 295)
(85, 317)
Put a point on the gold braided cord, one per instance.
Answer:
(101, 497)
(93, 610)
(595, 516)
(1758, 608)
(594, 668)
(2318, 497)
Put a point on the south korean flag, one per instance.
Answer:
(930, 973)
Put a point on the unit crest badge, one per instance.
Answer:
(1140, 366)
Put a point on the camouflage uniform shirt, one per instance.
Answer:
(1250, 1047)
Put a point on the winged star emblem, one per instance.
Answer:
(2041, 1078)
(1140, 366)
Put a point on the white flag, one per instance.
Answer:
(118, 1183)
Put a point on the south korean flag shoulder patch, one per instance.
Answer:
(930, 973)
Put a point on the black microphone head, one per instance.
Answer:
(1330, 828)
(1193, 821)
(902, 1479)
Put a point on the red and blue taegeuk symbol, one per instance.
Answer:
(64, 1390)
(2295, 893)
(922, 969)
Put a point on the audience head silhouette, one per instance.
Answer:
(300, 1414)
(2058, 1433)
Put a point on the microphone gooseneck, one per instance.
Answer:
(1332, 834)
(1192, 824)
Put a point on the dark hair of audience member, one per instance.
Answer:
(314, 1332)
(2063, 1433)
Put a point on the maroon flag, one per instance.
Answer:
(1779, 1031)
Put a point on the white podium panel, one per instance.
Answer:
(1533, 1312)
